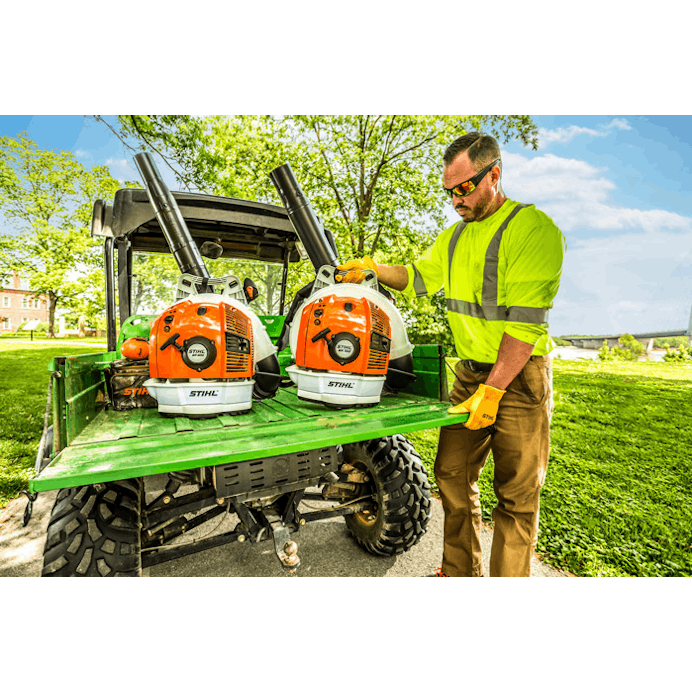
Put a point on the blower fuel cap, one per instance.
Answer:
(135, 348)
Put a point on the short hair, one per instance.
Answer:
(482, 150)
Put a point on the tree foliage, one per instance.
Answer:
(683, 354)
(375, 181)
(47, 198)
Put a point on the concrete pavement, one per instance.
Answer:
(324, 547)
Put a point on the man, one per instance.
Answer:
(500, 269)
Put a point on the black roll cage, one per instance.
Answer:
(244, 229)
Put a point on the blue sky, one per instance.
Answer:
(617, 185)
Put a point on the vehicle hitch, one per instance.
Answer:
(286, 549)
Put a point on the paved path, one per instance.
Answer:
(325, 549)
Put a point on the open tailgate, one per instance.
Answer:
(115, 445)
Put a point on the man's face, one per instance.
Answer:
(478, 205)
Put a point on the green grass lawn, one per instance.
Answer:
(617, 499)
(42, 337)
(23, 389)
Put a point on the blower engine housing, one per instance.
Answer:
(206, 354)
(342, 351)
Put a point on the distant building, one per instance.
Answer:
(19, 304)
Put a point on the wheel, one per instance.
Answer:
(95, 531)
(402, 505)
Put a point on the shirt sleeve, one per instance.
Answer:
(535, 251)
(426, 275)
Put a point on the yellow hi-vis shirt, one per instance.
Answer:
(499, 275)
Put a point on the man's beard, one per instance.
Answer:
(475, 212)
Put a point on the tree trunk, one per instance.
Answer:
(137, 296)
(52, 302)
(273, 279)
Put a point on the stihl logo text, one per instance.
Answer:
(138, 391)
(204, 392)
(344, 385)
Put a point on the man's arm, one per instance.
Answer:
(395, 277)
(511, 358)
(428, 270)
(483, 405)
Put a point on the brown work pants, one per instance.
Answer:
(520, 450)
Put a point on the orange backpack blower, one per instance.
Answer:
(342, 351)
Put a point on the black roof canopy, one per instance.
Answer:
(244, 229)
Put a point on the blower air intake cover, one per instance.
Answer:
(342, 351)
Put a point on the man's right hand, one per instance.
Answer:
(482, 407)
(355, 269)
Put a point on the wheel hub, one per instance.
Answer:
(359, 473)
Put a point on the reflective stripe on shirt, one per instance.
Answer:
(489, 309)
(419, 284)
(498, 312)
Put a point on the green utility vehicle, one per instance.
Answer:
(135, 485)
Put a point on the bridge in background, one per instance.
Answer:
(647, 338)
(612, 339)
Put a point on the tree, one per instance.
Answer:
(47, 197)
(89, 302)
(154, 278)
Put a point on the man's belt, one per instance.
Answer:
(475, 366)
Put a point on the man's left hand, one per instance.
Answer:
(482, 407)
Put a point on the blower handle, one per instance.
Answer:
(321, 335)
(172, 341)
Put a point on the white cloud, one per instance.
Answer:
(563, 135)
(80, 153)
(619, 123)
(625, 269)
(121, 169)
(576, 195)
(117, 163)
(624, 283)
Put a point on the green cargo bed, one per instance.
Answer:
(98, 444)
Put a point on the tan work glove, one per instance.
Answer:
(354, 270)
(482, 407)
